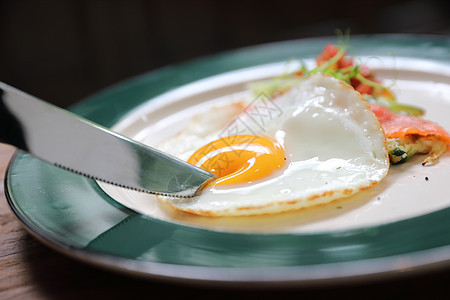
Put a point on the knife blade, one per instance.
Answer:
(71, 142)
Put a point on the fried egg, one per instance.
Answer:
(316, 143)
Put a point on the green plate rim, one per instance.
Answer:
(394, 248)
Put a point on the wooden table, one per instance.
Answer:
(30, 270)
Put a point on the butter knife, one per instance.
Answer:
(71, 142)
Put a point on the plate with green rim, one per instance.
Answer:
(77, 217)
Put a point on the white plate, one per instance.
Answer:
(409, 190)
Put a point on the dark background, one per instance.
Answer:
(65, 50)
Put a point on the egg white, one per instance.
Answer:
(335, 147)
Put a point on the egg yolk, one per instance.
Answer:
(239, 159)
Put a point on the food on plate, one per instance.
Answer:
(407, 133)
(315, 143)
(307, 137)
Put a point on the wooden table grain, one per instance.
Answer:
(31, 270)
